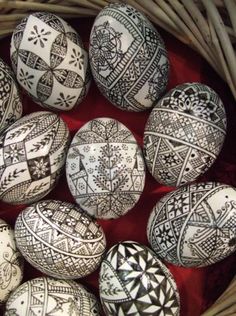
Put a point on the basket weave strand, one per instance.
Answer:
(208, 26)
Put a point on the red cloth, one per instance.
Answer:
(198, 287)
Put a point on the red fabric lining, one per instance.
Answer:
(198, 287)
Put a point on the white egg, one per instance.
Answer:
(50, 61)
(194, 226)
(10, 102)
(128, 58)
(184, 134)
(47, 296)
(32, 154)
(59, 239)
(11, 262)
(134, 282)
(105, 168)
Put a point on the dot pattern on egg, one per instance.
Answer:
(59, 239)
(10, 103)
(32, 154)
(49, 61)
(128, 58)
(184, 134)
(134, 282)
(194, 226)
(105, 168)
(46, 296)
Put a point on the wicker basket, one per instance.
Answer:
(208, 26)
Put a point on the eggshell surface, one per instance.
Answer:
(59, 239)
(47, 296)
(49, 61)
(194, 226)
(184, 134)
(11, 262)
(32, 154)
(105, 168)
(134, 282)
(128, 58)
(10, 102)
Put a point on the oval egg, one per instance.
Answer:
(50, 61)
(59, 239)
(10, 102)
(184, 134)
(11, 262)
(32, 154)
(133, 281)
(128, 58)
(105, 168)
(194, 225)
(47, 296)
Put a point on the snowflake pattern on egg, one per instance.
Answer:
(184, 134)
(105, 168)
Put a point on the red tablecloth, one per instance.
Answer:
(198, 287)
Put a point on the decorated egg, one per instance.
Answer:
(10, 103)
(11, 262)
(105, 168)
(50, 61)
(32, 154)
(134, 282)
(128, 58)
(184, 134)
(47, 296)
(59, 239)
(194, 226)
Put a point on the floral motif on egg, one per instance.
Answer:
(194, 226)
(125, 50)
(32, 154)
(10, 103)
(11, 262)
(134, 282)
(47, 296)
(184, 134)
(105, 168)
(45, 75)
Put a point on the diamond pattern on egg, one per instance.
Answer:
(105, 168)
(59, 239)
(134, 282)
(10, 102)
(49, 61)
(32, 155)
(194, 226)
(184, 134)
(128, 58)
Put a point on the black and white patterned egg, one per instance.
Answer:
(10, 102)
(134, 282)
(194, 226)
(50, 61)
(105, 168)
(11, 262)
(32, 155)
(184, 134)
(59, 239)
(128, 58)
(47, 296)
